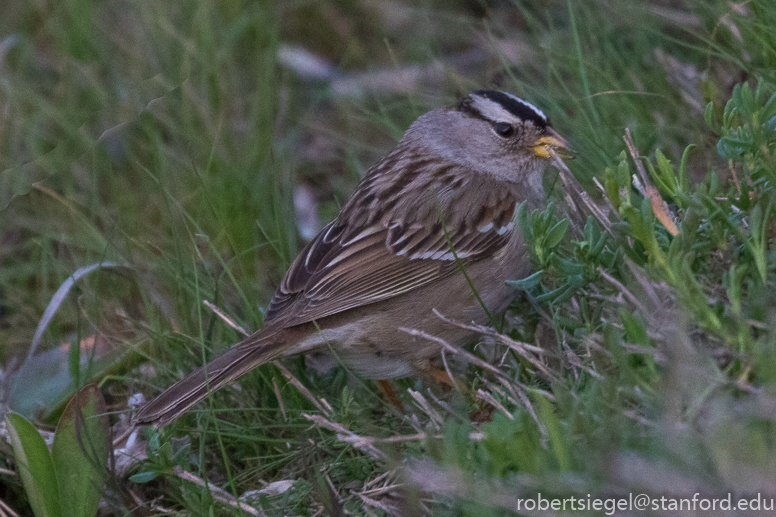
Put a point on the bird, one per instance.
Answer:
(430, 227)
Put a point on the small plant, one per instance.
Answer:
(68, 481)
(563, 265)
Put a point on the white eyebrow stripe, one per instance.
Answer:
(526, 103)
(492, 110)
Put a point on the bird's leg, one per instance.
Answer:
(385, 386)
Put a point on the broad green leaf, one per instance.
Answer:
(80, 452)
(556, 234)
(35, 467)
(44, 382)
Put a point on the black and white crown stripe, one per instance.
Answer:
(500, 106)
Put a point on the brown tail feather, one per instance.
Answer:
(254, 351)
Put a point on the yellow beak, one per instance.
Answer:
(552, 141)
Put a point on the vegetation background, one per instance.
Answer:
(176, 153)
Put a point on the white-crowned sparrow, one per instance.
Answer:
(431, 226)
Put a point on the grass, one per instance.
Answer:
(173, 139)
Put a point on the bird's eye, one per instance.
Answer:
(504, 130)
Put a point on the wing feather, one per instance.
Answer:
(352, 263)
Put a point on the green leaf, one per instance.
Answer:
(35, 466)
(732, 147)
(80, 452)
(556, 234)
(144, 477)
(711, 121)
(635, 331)
(665, 173)
(522, 221)
(558, 295)
(528, 282)
(684, 184)
(611, 187)
(555, 432)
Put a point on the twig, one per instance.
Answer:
(642, 177)
(647, 285)
(576, 361)
(612, 208)
(217, 493)
(488, 331)
(577, 197)
(381, 490)
(280, 399)
(490, 399)
(449, 373)
(353, 438)
(6, 510)
(466, 355)
(303, 390)
(518, 390)
(425, 406)
(630, 296)
(377, 504)
(345, 435)
(226, 319)
(659, 206)
(520, 347)
(379, 478)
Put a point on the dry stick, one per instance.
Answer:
(574, 359)
(471, 358)
(381, 490)
(280, 399)
(226, 319)
(489, 331)
(518, 392)
(630, 296)
(353, 438)
(320, 405)
(377, 504)
(490, 399)
(612, 208)
(217, 493)
(379, 478)
(572, 191)
(577, 198)
(449, 373)
(647, 285)
(333, 488)
(345, 435)
(441, 403)
(641, 180)
(518, 346)
(6, 510)
(466, 355)
(659, 206)
(425, 406)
